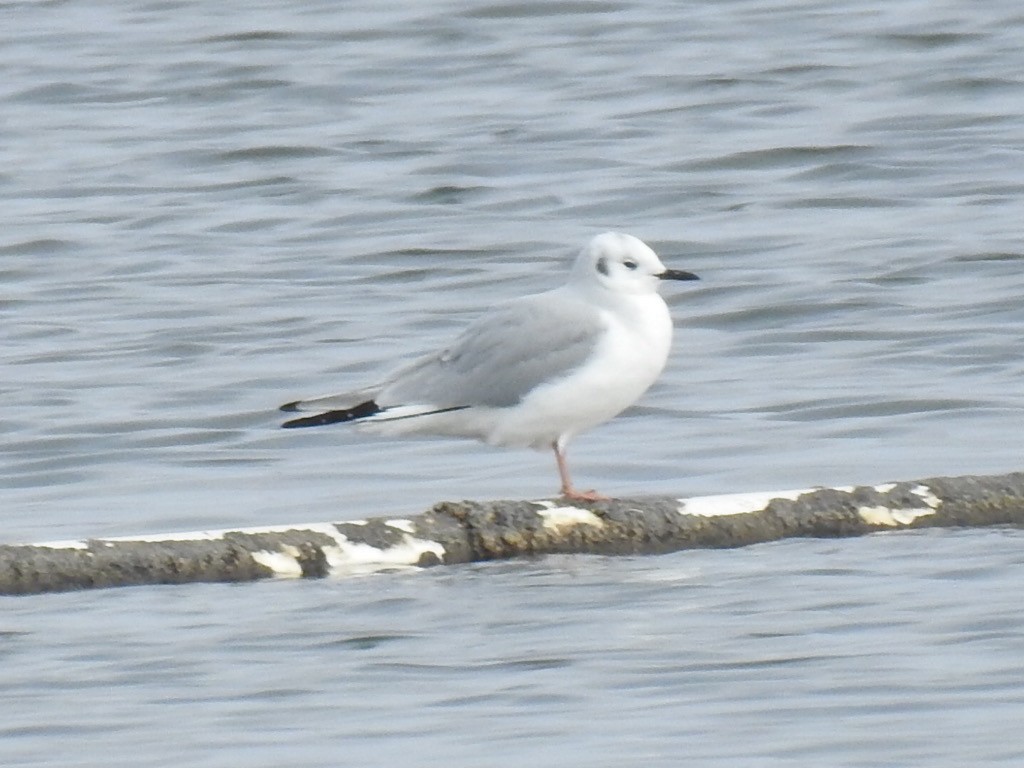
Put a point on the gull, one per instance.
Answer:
(534, 371)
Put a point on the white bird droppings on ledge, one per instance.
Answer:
(736, 503)
(926, 495)
(345, 557)
(556, 518)
(893, 517)
(353, 558)
(283, 564)
(328, 529)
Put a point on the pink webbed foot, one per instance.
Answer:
(573, 495)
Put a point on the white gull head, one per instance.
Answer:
(622, 264)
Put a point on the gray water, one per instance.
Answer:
(210, 209)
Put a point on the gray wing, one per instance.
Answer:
(498, 359)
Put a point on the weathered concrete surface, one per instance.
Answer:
(459, 532)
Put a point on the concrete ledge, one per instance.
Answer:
(461, 532)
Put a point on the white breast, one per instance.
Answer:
(627, 360)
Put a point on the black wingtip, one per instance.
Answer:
(361, 411)
(318, 420)
(291, 407)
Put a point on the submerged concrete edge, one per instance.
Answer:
(467, 531)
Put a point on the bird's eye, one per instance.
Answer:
(630, 264)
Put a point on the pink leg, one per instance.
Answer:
(568, 491)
